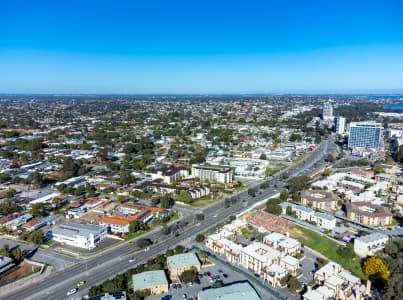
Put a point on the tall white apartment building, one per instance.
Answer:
(340, 125)
(212, 174)
(327, 112)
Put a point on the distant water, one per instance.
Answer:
(394, 106)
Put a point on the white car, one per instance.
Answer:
(72, 291)
(132, 259)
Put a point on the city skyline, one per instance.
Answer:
(181, 48)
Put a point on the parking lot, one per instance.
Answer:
(222, 273)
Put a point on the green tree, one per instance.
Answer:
(5, 251)
(38, 210)
(284, 195)
(142, 243)
(299, 183)
(273, 208)
(36, 179)
(137, 226)
(125, 178)
(184, 196)
(399, 154)
(17, 254)
(179, 249)
(189, 276)
(293, 284)
(102, 154)
(217, 284)
(378, 169)
(330, 158)
(200, 238)
(289, 211)
(327, 172)
(8, 207)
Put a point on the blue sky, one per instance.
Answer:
(200, 46)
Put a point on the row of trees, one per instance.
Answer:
(120, 282)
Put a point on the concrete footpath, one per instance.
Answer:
(23, 282)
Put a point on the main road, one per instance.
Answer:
(106, 265)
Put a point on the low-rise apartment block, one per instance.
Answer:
(283, 243)
(118, 223)
(319, 199)
(179, 263)
(369, 214)
(257, 256)
(155, 281)
(224, 247)
(336, 283)
(370, 244)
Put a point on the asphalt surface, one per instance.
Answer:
(106, 265)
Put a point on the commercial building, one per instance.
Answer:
(340, 125)
(155, 281)
(368, 213)
(370, 244)
(366, 138)
(319, 199)
(84, 236)
(237, 291)
(6, 263)
(179, 263)
(212, 174)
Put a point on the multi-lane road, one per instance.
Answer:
(106, 265)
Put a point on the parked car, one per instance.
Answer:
(72, 291)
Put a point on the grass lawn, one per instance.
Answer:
(301, 157)
(202, 202)
(328, 247)
(133, 235)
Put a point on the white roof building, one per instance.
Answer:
(85, 236)
(370, 244)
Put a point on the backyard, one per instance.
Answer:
(328, 248)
